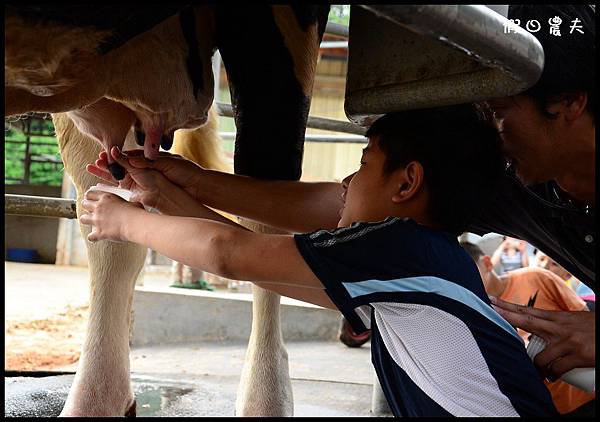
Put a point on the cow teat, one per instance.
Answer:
(140, 137)
(166, 141)
(117, 170)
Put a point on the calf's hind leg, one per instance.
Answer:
(102, 384)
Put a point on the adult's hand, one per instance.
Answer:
(571, 336)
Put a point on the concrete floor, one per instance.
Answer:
(61, 285)
(201, 379)
(65, 285)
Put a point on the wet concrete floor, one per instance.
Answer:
(328, 379)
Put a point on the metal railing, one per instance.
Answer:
(340, 30)
(39, 206)
(314, 122)
(347, 139)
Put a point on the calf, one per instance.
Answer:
(119, 85)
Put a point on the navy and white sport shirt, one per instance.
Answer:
(438, 347)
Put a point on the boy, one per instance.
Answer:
(393, 264)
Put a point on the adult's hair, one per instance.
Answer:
(473, 250)
(460, 154)
(570, 63)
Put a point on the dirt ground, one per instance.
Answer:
(53, 343)
(46, 314)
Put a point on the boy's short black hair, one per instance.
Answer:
(569, 63)
(473, 250)
(460, 154)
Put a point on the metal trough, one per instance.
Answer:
(404, 57)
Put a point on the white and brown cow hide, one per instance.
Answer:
(56, 68)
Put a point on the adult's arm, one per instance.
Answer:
(524, 259)
(497, 253)
(524, 255)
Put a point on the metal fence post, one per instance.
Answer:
(27, 160)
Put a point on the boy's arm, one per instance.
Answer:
(292, 206)
(176, 202)
(229, 250)
(314, 296)
(297, 207)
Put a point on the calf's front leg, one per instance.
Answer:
(265, 387)
(102, 384)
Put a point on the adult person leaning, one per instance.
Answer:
(547, 195)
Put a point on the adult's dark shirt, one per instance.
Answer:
(539, 215)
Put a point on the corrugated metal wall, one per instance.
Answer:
(329, 161)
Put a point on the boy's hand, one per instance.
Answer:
(108, 214)
(176, 169)
(146, 184)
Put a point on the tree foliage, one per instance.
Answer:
(339, 13)
(47, 173)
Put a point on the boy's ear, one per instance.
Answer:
(409, 182)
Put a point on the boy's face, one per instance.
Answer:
(368, 192)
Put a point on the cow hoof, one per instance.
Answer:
(130, 413)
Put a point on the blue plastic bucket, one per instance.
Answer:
(22, 255)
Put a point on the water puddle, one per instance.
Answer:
(153, 397)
